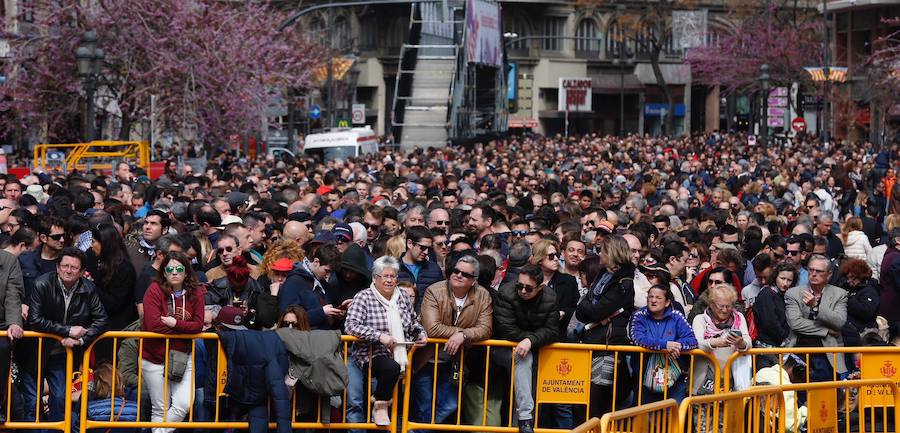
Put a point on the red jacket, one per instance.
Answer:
(188, 315)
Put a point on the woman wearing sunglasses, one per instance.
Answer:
(173, 305)
(545, 253)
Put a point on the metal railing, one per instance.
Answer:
(658, 417)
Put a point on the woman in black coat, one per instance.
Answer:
(862, 300)
(605, 312)
(769, 307)
(545, 253)
(114, 275)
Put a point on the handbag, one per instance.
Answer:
(603, 369)
(660, 375)
(178, 360)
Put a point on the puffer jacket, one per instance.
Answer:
(608, 314)
(128, 358)
(649, 333)
(257, 365)
(99, 410)
(315, 360)
(299, 289)
(536, 319)
(429, 274)
(857, 246)
(48, 313)
(862, 307)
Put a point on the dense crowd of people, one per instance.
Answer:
(700, 242)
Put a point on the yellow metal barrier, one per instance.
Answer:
(218, 420)
(756, 410)
(591, 426)
(551, 360)
(78, 153)
(778, 355)
(823, 410)
(658, 417)
(66, 422)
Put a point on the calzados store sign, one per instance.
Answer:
(574, 94)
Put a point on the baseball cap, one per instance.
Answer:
(342, 230)
(283, 265)
(300, 217)
(237, 198)
(230, 317)
(231, 219)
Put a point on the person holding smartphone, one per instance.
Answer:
(722, 331)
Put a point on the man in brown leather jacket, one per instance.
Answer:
(459, 310)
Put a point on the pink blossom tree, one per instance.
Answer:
(786, 40)
(213, 66)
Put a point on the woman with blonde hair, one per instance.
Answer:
(605, 310)
(721, 330)
(856, 243)
(396, 246)
(546, 254)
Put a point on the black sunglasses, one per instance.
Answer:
(524, 287)
(553, 256)
(462, 273)
(57, 237)
(224, 249)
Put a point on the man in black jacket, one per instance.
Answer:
(66, 304)
(525, 312)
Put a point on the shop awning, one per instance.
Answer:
(521, 122)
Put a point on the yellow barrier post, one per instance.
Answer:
(657, 417)
(823, 416)
(550, 373)
(805, 354)
(65, 425)
(727, 412)
(217, 415)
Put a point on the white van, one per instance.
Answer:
(341, 144)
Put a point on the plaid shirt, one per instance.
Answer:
(367, 319)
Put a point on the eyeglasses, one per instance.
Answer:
(175, 269)
(519, 232)
(777, 256)
(462, 273)
(291, 325)
(387, 277)
(341, 241)
(553, 256)
(714, 282)
(57, 237)
(524, 287)
(441, 223)
(223, 250)
(424, 247)
(693, 256)
(791, 253)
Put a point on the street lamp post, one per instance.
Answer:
(90, 63)
(625, 56)
(764, 128)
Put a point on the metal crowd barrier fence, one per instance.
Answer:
(318, 417)
(564, 372)
(39, 373)
(871, 360)
(658, 417)
(868, 406)
(759, 409)
(873, 402)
